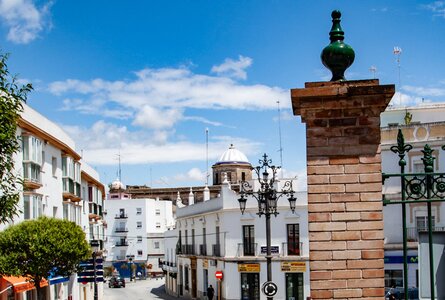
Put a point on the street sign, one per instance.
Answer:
(219, 275)
(269, 289)
(273, 249)
(94, 243)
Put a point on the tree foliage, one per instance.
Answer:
(35, 248)
(12, 95)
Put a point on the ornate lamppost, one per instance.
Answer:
(267, 197)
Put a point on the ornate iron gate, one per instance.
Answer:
(427, 187)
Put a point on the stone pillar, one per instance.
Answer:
(344, 186)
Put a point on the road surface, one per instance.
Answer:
(151, 289)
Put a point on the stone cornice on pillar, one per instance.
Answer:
(343, 114)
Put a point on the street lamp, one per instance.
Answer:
(267, 197)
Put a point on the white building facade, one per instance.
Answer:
(56, 184)
(135, 233)
(423, 124)
(214, 236)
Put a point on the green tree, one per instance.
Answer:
(12, 95)
(34, 248)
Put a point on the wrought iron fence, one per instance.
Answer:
(427, 187)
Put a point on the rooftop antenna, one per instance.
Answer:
(279, 133)
(397, 52)
(373, 70)
(207, 156)
(119, 171)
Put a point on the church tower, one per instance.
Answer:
(233, 163)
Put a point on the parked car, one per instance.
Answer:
(116, 282)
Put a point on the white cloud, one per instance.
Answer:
(158, 98)
(151, 117)
(193, 174)
(401, 99)
(437, 7)
(425, 91)
(24, 19)
(102, 141)
(300, 175)
(233, 68)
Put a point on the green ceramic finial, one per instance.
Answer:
(337, 56)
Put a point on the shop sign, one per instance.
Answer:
(253, 268)
(293, 266)
(205, 263)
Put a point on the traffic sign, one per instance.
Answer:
(219, 275)
(269, 289)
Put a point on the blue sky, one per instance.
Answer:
(146, 78)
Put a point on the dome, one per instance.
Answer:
(233, 156)
(117, 185)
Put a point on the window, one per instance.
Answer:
(248, 240)
(158, 212)
(186, 237)
(139, 224)
(193, 238)
(156, 245)
(65, 211)
(139, 239)
(71, 175)
(32, 206)
(54, 211)
(217, 235)
(204, 237)
(393, 278)
(158, 225)
(243, 176)
(422, 223)
(138, 211)
(54, 166)
(139, 252)
(26, 207)
(293, 239)
(32, 158)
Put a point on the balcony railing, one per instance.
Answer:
(121, 230)
(122, 244)
(216, 250)
(292, 251)
(203, 249)
(121, 216)
(188, 249)
(413, 232)
(119, 257)
(247, 249)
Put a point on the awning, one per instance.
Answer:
(20, 284)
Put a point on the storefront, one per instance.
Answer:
(294, 279)
(250, 281)
(19, 288)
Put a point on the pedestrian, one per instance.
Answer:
(210, 292)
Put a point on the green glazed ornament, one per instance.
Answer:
(337, 56)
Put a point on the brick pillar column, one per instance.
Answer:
(344, 186)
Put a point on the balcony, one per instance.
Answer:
(188, 249)
(216, 250)
(31, 175)
(413, 232)
(292, 251)
(122, 244)
(118, 230)
(247, 249)
(203, 249)
(121, 216)
(71, 189)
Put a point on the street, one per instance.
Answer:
(138, 290)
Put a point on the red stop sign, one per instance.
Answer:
(219, 275)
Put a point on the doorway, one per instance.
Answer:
(250, 286)
(294, 286)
